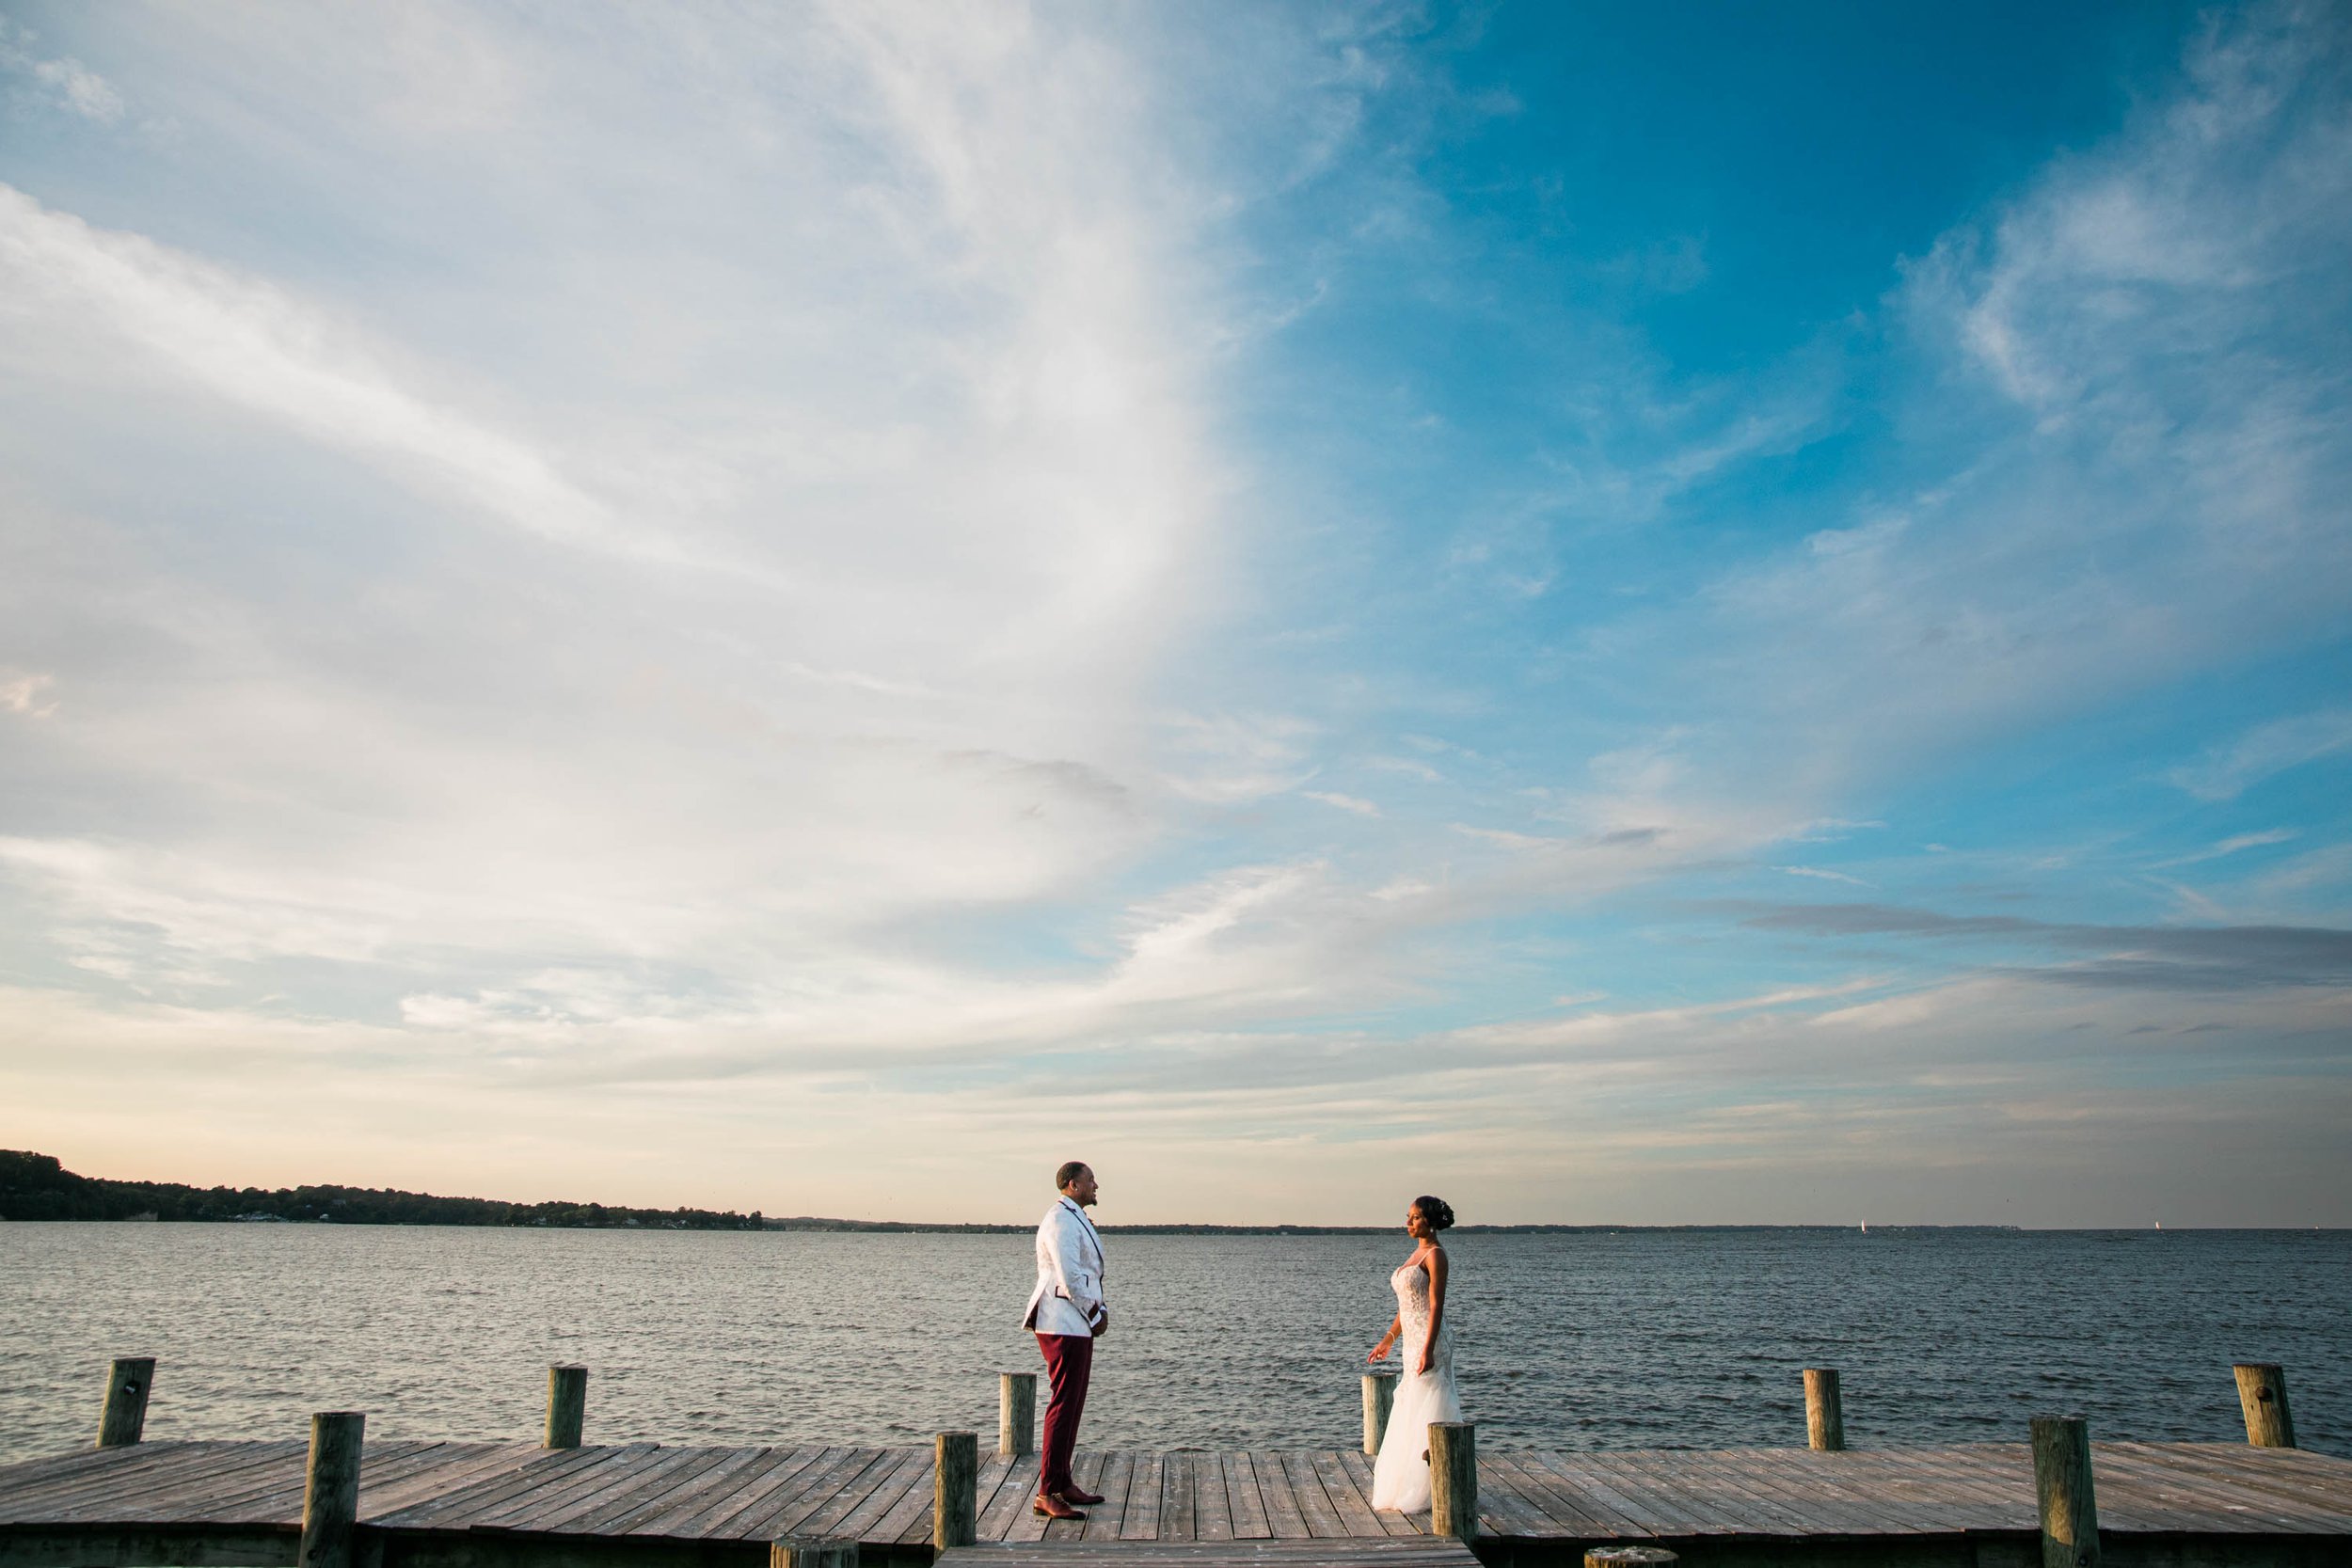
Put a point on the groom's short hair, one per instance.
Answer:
(1068, 1173)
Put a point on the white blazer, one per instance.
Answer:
(1069, 1294)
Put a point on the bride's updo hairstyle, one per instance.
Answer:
(1437, 1210)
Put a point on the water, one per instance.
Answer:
(1614, 1340)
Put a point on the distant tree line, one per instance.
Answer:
(38, 1187)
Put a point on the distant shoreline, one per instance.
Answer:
(38, 1187)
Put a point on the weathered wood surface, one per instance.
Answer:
(2261, 1392)
(568, 1405)
(1824, 1410)
(241, 1502)
(2066, 1493)
(330, 1490)
(132, 1378)
(1426, 1551)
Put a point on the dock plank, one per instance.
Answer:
(1578, 1486)
(718, 1518)
(1242, 1499)
(1323, 1520)
(456, 1470)
(53, 1486)
(1756, 1491)
(1177, 1521)
(1979, 1487)
(1359, 1469)
(1104, 1518)
(2312, 1483)
(24, 1476)
(659, 1487)
(529, 1510)
(185, 1483)
(172, 1475)
(856, 1472)
(1212, 1508)
(1016, 1489)
(1086, 1473)
(1141, 1520)
(1536, 1486)
(1752, 1495)
(542, 1509)
(451, 1509)
(773, 1515)
(853, 1510)
(273, 1494)
(234, 1494)
(1355, 1513)
(1578, 1472)
(2219, 1495)
(678, 1507)
(909, 1519)
(1283, 1518)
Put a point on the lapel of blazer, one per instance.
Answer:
(1093, 1235)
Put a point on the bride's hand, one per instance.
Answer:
(1380, 1350)
(1420, 1363)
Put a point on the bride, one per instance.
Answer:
(1400, 1477)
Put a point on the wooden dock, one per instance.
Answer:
(645, 1505)
(2060, 1501)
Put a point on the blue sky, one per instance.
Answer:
(1734, 614)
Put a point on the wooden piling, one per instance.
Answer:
(1824, 1412)
(2262, 1393)
(2061, 1483)
(1380, 1396)
(330, 1491)
(1453, 1480)
(568, 1405)
(1016, 1414)
(1629, 1557)
(813, 1551)
(124, 1418)
(955, 1489)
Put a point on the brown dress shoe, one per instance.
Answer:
(1085, 1500)
(1054, 1508)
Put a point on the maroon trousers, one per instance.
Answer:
(1069, 1367)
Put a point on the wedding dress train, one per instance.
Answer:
(1400, 1477)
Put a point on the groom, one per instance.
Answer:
(1067, 1312)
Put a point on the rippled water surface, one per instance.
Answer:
(1641, 1338)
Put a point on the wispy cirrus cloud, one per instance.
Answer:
(2266, 751)
(2234, 844)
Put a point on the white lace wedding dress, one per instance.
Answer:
(1400, 1477)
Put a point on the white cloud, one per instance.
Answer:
(1355, 803)
(28, 695)
(703, 591)
(2229, 845)
(65, 83)
(1817, 873)
(73, 289)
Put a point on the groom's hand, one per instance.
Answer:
(1101, 1322)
